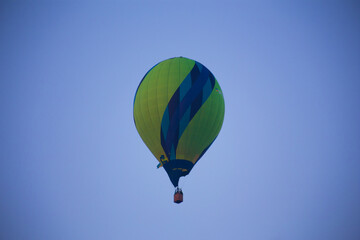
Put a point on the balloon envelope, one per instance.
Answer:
(178, 112)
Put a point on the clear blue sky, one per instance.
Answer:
(286, 164)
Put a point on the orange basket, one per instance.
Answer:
(178, 197)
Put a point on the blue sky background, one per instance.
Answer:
(286, 164)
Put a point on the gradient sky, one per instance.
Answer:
(286, 164)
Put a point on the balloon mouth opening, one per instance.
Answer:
(177, 168)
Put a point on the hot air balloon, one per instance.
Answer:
(178, 111)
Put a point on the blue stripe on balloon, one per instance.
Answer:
(212, 80)
(184, 122)
(196, 104)
(174, 103)
(207, 91)
(194, 73)
(199, 65)
(173, 153)
(183, 105)
(185, 86)
(173, 135)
